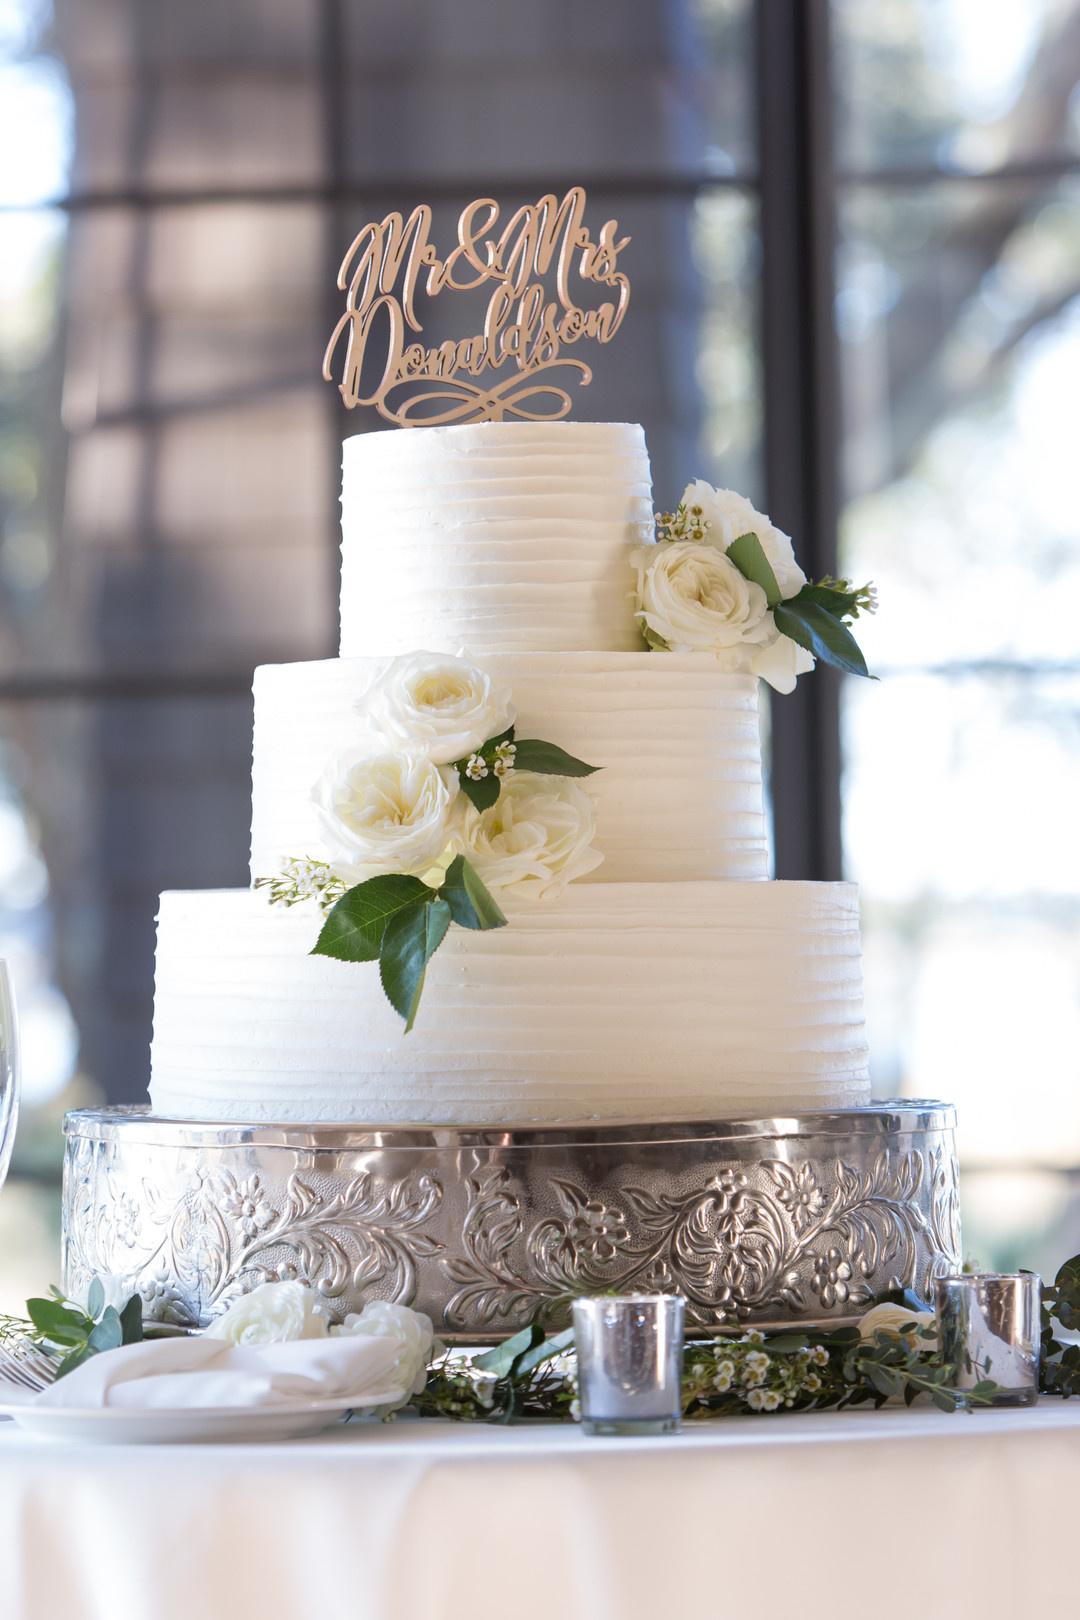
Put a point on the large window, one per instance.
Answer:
(856, 235)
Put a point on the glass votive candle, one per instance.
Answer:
(989, 1328)
(629, 1360)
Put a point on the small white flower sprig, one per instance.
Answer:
(723, 578)
(438, 806)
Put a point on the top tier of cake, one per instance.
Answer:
(495, 537)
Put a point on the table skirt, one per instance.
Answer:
(879, 1515)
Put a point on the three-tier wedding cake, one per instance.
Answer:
(669, 980)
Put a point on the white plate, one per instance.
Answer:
(128, 1425)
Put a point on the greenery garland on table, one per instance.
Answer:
(532, 1375)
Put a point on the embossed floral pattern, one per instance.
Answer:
(832, 1278)
(249, 1206)
(799, 1192)
(599, 1231)
(512, 1241)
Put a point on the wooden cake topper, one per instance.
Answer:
(526, 324)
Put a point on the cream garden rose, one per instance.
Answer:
(695, 600)
(273, 1313)
(438, 705)
(891, 1318)
(534, 840)
(410, 1330)
(383, 813)
(729, 515)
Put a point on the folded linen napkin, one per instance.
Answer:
(204, 1372)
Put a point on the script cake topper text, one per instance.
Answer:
(533, 264)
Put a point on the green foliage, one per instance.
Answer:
(748, 555)
(471, 904)
(410, 941)
(353, 932)
(71, 1334)
(548, 759)
(400, 922)
(815, 628)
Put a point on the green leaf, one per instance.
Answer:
(354, 929)
(58, 1322)
(827, 638)
(500, 1360)
(411, 939)
(471, 904)
(482, 792)
(839, 603)
(748, 555)
(108, 1334)
(548, 759)
(73, 1359)
(537, 1354)
(131, 1320)
(95, 1298)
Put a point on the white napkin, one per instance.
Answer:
(204, 1372)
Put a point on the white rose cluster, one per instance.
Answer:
(692, 598)
(282, 1312)
(395, 804)
(272, 1313)
(410, 1330)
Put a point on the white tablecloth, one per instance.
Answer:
(888, 1514)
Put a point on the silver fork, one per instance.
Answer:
(27, 1367)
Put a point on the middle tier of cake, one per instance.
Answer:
(618, 1002)
(678, 796)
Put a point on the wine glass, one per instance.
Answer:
(9, 1070)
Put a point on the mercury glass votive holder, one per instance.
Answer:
(629, 1360)
(989, 1327)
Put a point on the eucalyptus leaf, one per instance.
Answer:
(500, 1360)
(73, 1359)
(95, 1298)
(131, 1320)
(548, 759)
(820, 633)
(544, 1351)
(411, 938)
(108, 1334)
(60, 1323)
(748, 555)
(354, 929)
(470, 901)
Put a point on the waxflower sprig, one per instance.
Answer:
(434, 806)
(723, 578)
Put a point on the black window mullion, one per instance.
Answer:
(801, 414)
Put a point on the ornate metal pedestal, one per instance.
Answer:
(759, 1222)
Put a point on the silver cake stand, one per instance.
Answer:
(760, 1223)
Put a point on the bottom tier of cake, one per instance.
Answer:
(619, 1001)
(759, 1223)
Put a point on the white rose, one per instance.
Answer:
(696, 600)
(780, 661)
(535, 839)
(437, 705)
(410, 1330)
(273, 1313)
(384, 813)
(729, 515)
(890, 1318)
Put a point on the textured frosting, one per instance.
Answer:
(498, 537)
(620, 1002)
(679, 796)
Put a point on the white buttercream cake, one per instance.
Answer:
(671, 983)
